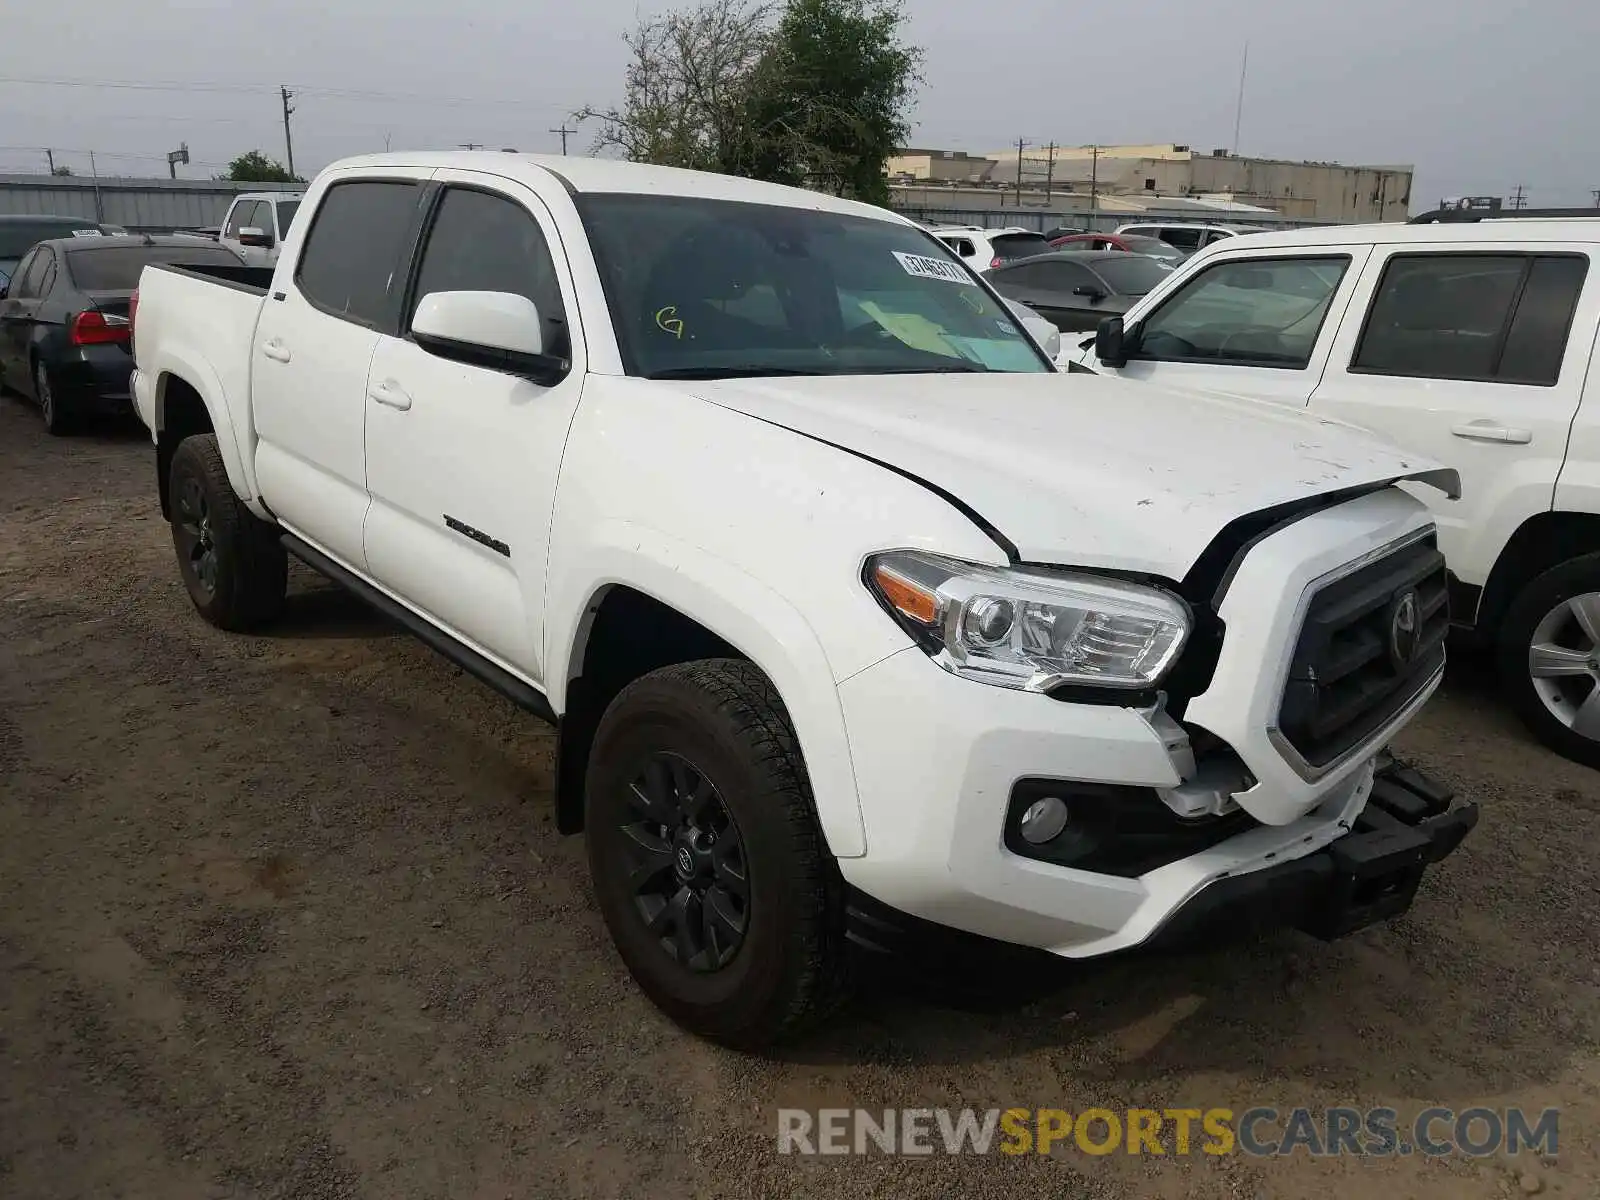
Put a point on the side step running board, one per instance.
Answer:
(469, 660)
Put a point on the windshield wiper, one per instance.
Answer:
(752, 371)
(965, 366)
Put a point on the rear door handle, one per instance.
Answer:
(1490, 431)
(275, 350)
(390, 394)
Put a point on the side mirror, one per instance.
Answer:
(1111, 342)
(1094, 294)
(250, 235)
(498, 330)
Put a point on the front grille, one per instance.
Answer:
(1356, 664)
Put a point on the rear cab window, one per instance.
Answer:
(117, 268)
(1009, 246)
(1254, 312)
(355, 250)
(1500, 317)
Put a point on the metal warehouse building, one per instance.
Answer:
(151, 205)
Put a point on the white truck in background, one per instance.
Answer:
(861, 624)
(257, 223)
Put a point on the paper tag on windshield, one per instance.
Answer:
(85, 233)
(923, 267)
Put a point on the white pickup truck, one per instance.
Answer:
(862, 624)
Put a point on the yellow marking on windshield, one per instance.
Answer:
(667, 320)
(913, 329)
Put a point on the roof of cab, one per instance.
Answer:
(1570, 229)
(580, 174)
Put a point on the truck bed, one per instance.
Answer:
(255, 280)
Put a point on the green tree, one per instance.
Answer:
(62, 170)
(814, 93)
(685, 94)
(256, 167)
(831, 97)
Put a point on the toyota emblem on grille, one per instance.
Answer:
(1403, 630)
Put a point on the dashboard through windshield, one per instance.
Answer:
(703, 288)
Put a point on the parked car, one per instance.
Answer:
(1127, 242)
(981, 249)
(1061, 231)
(1078, 289)
(1187, 236)
(1471, 343)
(64, 320)
(852, 612)
(19, 233)
(257, 223)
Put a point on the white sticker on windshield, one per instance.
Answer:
(85, 233)
(931, 268)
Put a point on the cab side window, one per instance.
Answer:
(1250, 312)
(1485, 317)
(355, 250)
(480, 242)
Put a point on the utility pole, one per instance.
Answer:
(564, 133)
(288, 138)
(1094, 180)
(470, 145)
(1595, 192)
(1517, 197)
(50, 157)
(1049, 171)
(99, 209)
(1238, 108)
(1021, 146)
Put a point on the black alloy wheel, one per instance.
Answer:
(688, 871)
(192, 532)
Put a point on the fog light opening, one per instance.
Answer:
(1043, 820)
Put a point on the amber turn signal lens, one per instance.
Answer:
(907, 598)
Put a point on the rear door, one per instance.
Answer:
(14, 325)
(1251, 323)
(313, 346)
(1463, 354)
(462, 460)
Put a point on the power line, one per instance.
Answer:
(564, 132)
(266, 89)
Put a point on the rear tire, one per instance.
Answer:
(231, 561)
(1548, 654)
(52, 407)
(732, 922)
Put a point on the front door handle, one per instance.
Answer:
(390, 394)
(276, 350)
(1491, 431)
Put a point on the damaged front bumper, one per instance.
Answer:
(1369, 874)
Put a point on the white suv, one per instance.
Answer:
(982, 249)
(1188, 236)
(1470, 343)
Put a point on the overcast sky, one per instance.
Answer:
(1481, 95)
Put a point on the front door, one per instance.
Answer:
(313, 345)
(1252, 325)
(16, 320)
(1462, 354)
(462, 460)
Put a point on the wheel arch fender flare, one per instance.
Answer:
(741, 610)
(199, 376)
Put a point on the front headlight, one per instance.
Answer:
(1031, 629)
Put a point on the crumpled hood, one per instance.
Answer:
(1083, 470)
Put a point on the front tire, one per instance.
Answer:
(231, 561)
(1548, 652)
(707, 860)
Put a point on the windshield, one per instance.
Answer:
(703, 288)
(117, 268)
(1132, 274)
(1152, 246)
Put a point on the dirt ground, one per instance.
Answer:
(285, 916)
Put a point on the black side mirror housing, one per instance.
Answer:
(1094, 294)
(1111, 342)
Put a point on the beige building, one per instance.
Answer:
(1320, 191)
(939, 166)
